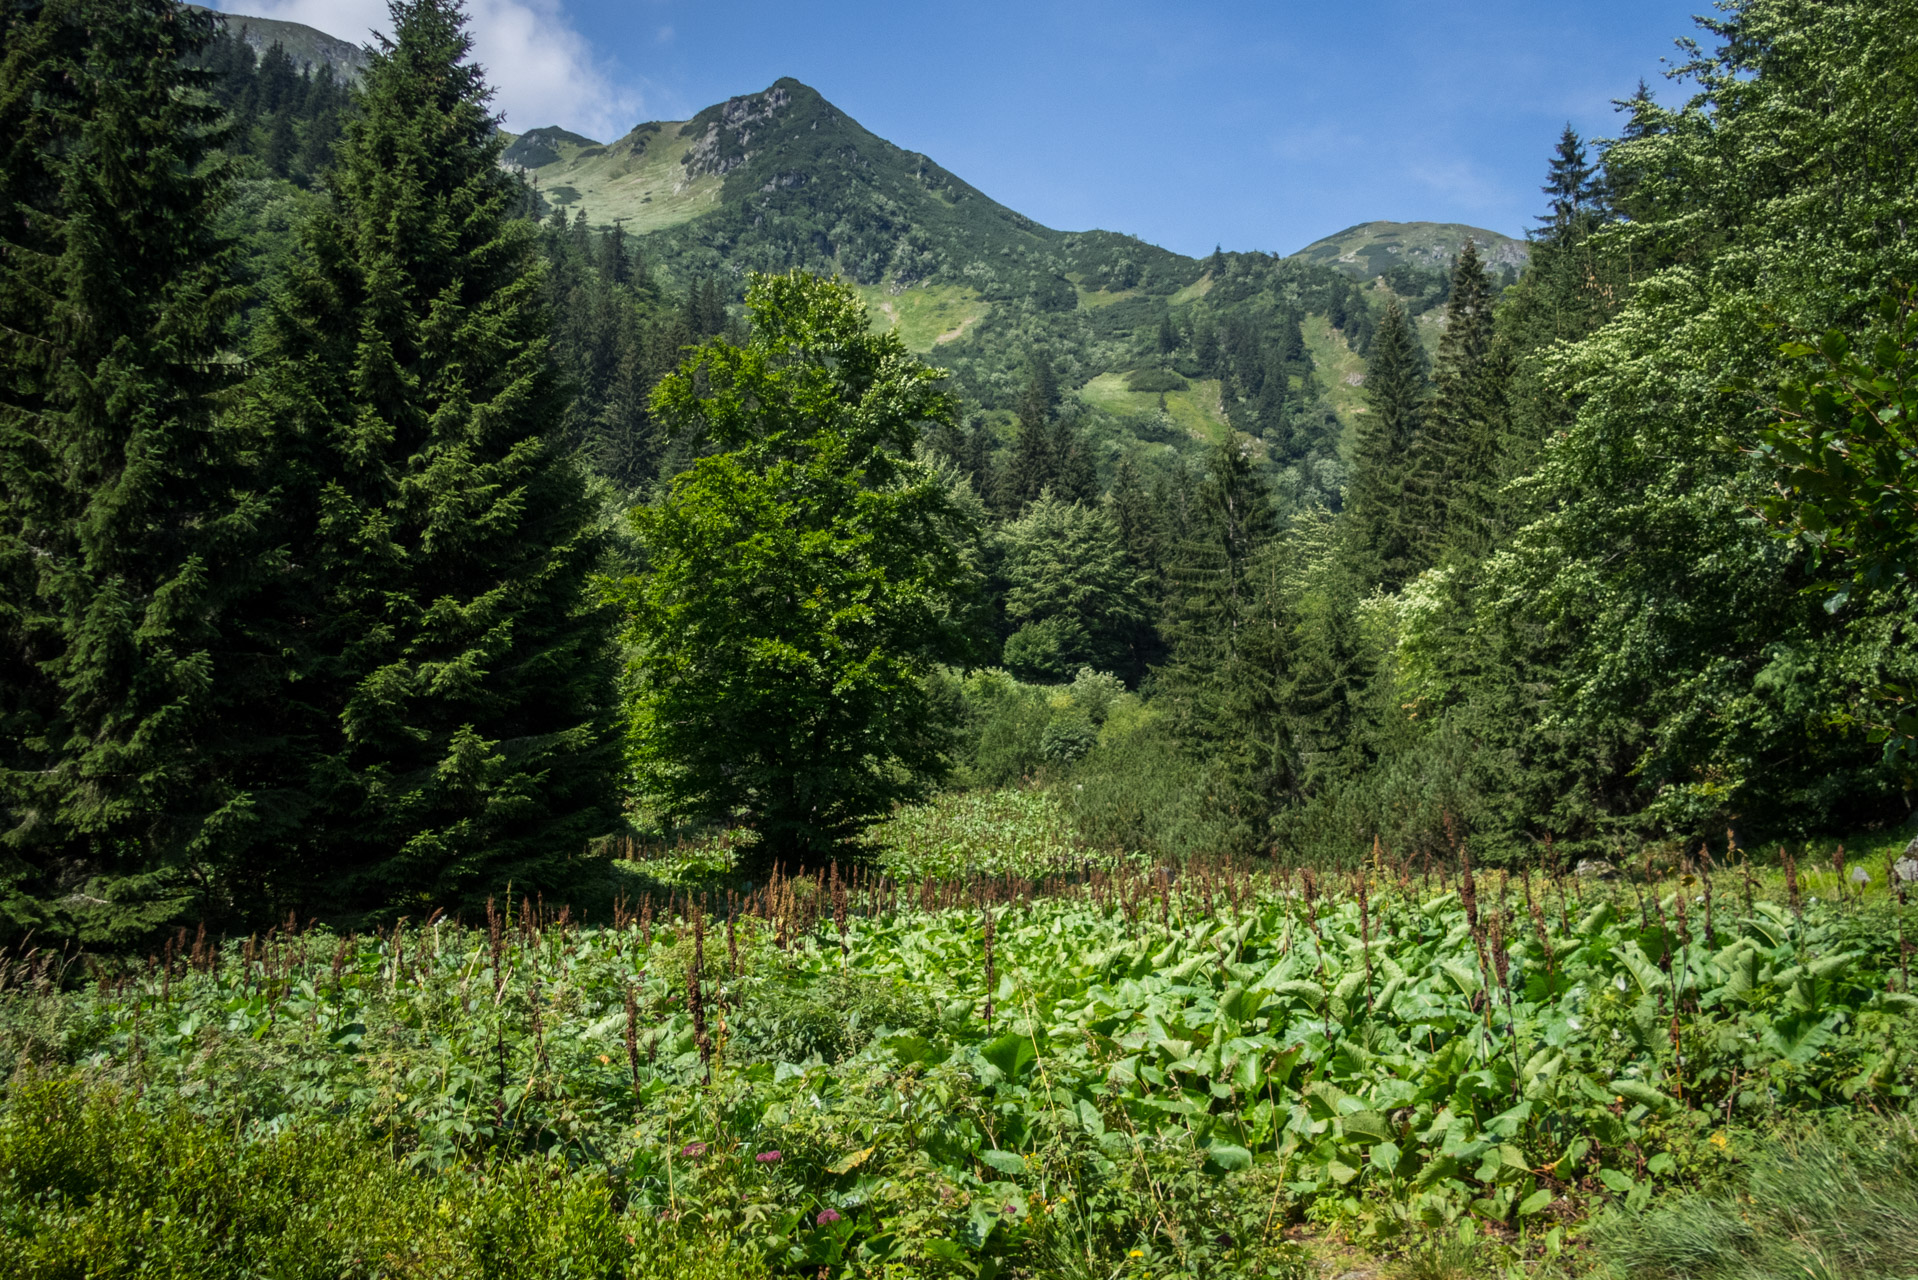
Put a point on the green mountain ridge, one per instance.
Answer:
(1372, 249)
(309, 47)
(1156, 355)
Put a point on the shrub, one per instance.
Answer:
(1160, 380)
(92, 1184)
(1138, 789)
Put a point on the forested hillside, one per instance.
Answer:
(1387, 540)
(723, 704)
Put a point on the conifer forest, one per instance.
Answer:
(828, 729)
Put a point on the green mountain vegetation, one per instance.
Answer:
(309, 48)
(722, 703)
(1373, 249)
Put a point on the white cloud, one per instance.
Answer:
(541, 68)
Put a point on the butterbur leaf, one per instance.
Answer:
(1228, 1156)
(1366, 1127)
(1643, 1094)
(1534, 1203)
(1007, 1162)
(1013, 1054)
(1617, 1180)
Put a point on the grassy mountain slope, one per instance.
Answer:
(1373, 248)
(307, 46)
(784, 178)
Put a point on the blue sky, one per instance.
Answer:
(1255, 126)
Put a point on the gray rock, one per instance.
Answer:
(1596, 869)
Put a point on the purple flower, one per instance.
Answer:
(768, 1157)
(693, 1149)
(827, 1215)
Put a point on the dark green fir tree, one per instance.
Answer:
(125, 514)
(1380, 534)
(452, 717)
(1035, 462)
(1455, 472)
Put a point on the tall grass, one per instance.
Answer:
(1834, 1202)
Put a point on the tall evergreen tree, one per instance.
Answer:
(1225, 675)
(1455, 474)
(1074, 478)
(1570, 187)
(1232, 518)
(450, 718)
(124, 510)
(614, 266)
(1035, 462)
(1396, 391)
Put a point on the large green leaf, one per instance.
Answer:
(1013, 1054)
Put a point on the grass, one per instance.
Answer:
(924, 316)
(1830, 1202)
(1337, 366)
(638, 180)
(1096, 299)
(1194, 291)
(1194, 411)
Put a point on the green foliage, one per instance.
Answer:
(1583, 635)
(1140, 788)
(1177, 1066)
(1012, 732)
(1023, 832)
(1844, 450)
(447, 721)
(1836, 1200)
(126, 509)
(1066, 569)
(91, 1183)
(800, 585)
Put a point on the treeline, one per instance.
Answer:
(311, 575)
(287, 116)
(301, 618)
(1549, 617)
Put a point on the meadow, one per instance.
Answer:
(985, 1051)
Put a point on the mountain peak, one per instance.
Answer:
(309, 47)
(1371, 249)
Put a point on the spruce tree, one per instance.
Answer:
(1569, 186)
(1075, 478)
(1225, 673)
(1232, 518)
(124, 505)
(452, 702)
(1140, 522)
(614, 266)
(1380, 535)
(1454, 474)
(976, 458)
(1035, 464)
